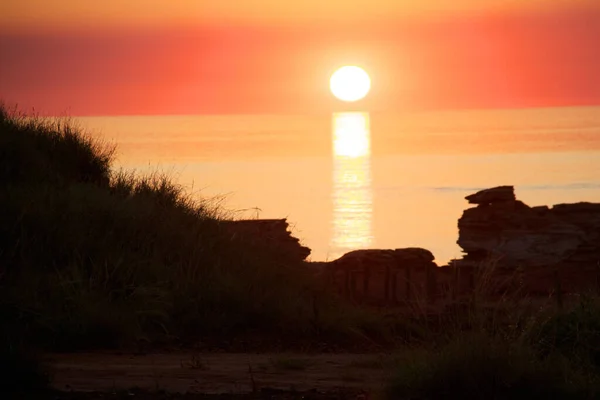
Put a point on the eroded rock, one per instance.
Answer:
(493, 195)
(504, 230)
(384, 276)
(379, 258)
(272, 234)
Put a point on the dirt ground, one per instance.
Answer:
(149, 395)
(219, 376)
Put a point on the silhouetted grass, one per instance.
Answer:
(49, 152)
(504, 349)
(573, 333)
(93, 257)
(484, 367)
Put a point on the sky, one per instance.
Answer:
(270, 56)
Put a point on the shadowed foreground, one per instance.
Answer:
(220, 373)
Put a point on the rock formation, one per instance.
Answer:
(269, 233)
(397, 258)
(384, 276)
(531, 251)
(508, 232)
(493, 195)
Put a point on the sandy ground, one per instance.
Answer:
(220, 373)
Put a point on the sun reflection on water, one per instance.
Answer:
(352, 197)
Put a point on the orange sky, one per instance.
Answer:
(111, 13)
(251, 56)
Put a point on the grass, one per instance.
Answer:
(548, 353)
(95, 257)
(482, 367)
(497, 343)
(573, 333)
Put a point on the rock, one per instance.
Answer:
(271, 234)
(415, 255)
(576, 208)
(509, 232)
(381, 258)
(383, 276)
(493, 195)
(373, 258)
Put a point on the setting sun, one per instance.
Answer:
(350, 83)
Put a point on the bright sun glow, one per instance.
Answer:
(350, 83)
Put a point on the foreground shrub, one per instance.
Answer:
(86, 266)
(573, 332)
(479, 367)
(56, 152)
(93, 257)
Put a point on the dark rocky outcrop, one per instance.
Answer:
(507, 232)
(494, 195)
(269, 233)
(510, 249)
(384, 276)
(375, 258)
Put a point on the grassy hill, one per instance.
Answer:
(93, 257)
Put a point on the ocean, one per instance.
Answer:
(358, 180)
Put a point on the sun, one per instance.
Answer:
(350, 83)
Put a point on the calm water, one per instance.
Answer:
(359, 180)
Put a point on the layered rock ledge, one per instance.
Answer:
(507, 232)
(270, 233)
(509, 247)
(383, 276)
(538, 250)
